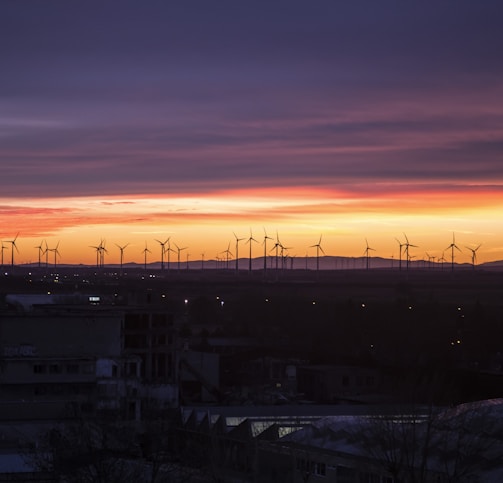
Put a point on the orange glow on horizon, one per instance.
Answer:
(206, 222)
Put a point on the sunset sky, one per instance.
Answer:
(131, 121)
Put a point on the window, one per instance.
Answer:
(132, 341)
(39, 369)
(369, 478)
(346, 475)
(72, 369)
(320, 469)
(159, 320)
(87, 407)
(159, 340)
(311, 467)
(131, 369)
(54, 369)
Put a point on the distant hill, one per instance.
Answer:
(294, 263)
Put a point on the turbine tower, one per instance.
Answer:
(265, 249)
(401, 245)
(56, 253)
(431, 259)
(318, 249)
(122, 253)
(41, 252)
(102, 250)
(163, 250)
(474, 255)
(366, 252)
(407, 246)
(228, 254)
(145, 251)
(13, 245)
(3, 248)
(178, 250)
(249, 241)
(95, 247)
(284, 256)
(237, 250)
(169, 254)
(277, 246)
(453, 246)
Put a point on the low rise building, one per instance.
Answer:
(58, 355)
(332, 383)
(74, 354)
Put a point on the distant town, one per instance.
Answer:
(201, 374)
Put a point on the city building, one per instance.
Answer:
(61, 357)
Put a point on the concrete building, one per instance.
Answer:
(61, 357)
(66, 355)
(348, 443)
(150, 335)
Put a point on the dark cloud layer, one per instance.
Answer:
(137, 97)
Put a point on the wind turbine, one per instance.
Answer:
(265, 249)
(96, 247)
(103, 250)
(276, 246)
(3, 248)
(407, 246)
(122, 253)
(228, 254)
(474, 255)
(100, 253)
(284, 256)
(145, 251)
(178, 250)
(41, 251)
(56, 253)
(250, 240)
(318, 249)
(366, 252)
(13, 245)
(453, 246)
(400, 253)
(163, 250)
(237, 250)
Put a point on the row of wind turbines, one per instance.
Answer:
(43, 251)
(281, 252)
(406, 245)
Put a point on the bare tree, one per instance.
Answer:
(467, 439)
(87, 452)
(399, 441)
(416, 444)
(100, 451)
